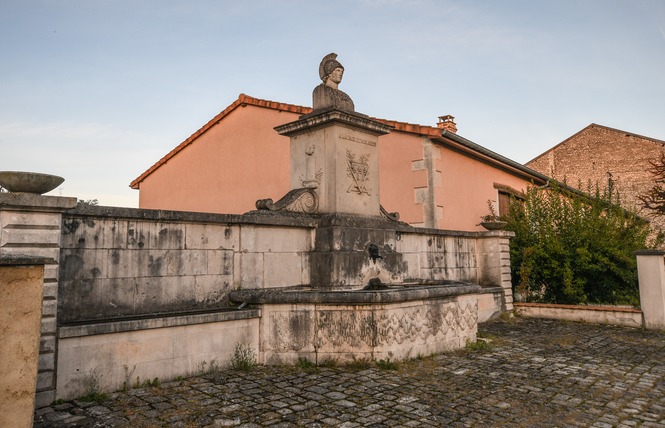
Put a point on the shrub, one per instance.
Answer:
(92, 384)
(479, 346)
(574, 248)
(359, 364)
(387, 364)
(305, 364)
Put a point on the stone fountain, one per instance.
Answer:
(362, 302)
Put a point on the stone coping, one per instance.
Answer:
(491, 289)
(19, 260)
(34, 202)
(649, 253)
(269, 218)
(194, 217)
(577, 307)
(393, 294)
(327, 116)
(120, 326)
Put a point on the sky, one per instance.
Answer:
(97, 91)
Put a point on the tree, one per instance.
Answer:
(654, 199)
(575, 248)
(87, 203)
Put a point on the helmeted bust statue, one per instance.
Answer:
(326, 94)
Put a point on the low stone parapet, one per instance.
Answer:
(614, 315)
(108, 356)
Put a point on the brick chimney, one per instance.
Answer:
(447, 122)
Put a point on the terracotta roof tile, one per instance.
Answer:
(412, 128)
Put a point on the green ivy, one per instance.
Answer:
(573, 248)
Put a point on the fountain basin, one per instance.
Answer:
(29, 182)
(392, 294)
(346, 325)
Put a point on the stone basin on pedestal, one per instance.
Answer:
(29, 182)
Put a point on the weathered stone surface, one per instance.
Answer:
(598, 153)
(251, 270)
(108, 273)
(30, 225)
(21, 297)
(212, 237)
(149, 349)
(275, 239)
(335, 153)
(107, 277)
(392, 294)
(490, 303)
(33, 202)
(45, 380)
(614, 315)
(23, 237)
(283, 269)
(29, 182)
(345, 325)
(651, 272)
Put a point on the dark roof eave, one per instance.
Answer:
(525, 170)
(483, 152)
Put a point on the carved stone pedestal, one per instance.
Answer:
(364, 300)
(341, 257)
(335, 153)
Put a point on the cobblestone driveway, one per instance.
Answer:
(537, 373)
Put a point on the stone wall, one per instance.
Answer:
(613, 315)
(343, 333)
(145, 293)
(119, 262)
(597, 154)
(21, 294)
(123, 354)
(30, 226)
(651, 276)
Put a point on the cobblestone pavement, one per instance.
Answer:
(536, 373)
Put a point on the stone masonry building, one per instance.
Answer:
(603, 155)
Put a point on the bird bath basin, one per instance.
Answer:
(29, 182)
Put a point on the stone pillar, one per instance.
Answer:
(341, 257)
(335, 153)
(21, 290)
(30, 225)
(494, 263)
(651, 276)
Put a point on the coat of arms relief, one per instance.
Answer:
(357, 169)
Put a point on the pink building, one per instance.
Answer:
(429, 174)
